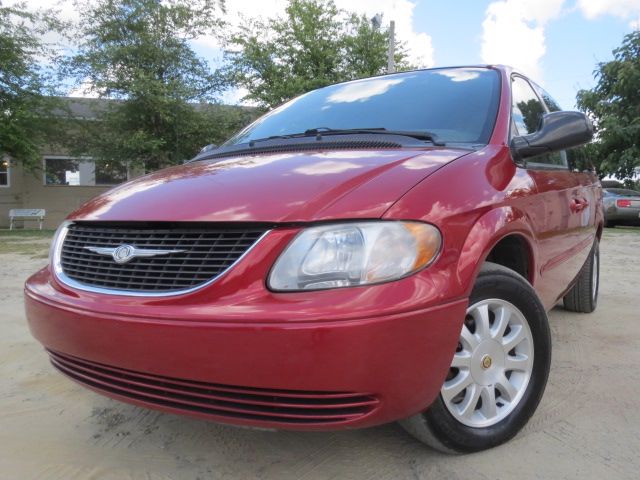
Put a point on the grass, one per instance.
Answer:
(32, 243)
(622, 230)
(27, 233)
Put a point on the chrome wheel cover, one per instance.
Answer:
(492, 365)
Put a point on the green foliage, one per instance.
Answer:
(138, 52)
(314, 45)
(614, 105)
(25, 86)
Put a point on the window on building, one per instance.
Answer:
(83, 172)
(4, 173)
(110, 173)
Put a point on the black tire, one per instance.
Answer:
(438, 428)
(583, 296)
(609, 224)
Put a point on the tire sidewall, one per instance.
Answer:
(514, 289)
(595, 262)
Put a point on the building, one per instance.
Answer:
(63, 183)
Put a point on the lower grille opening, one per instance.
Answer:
(268, 405)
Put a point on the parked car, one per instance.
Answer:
(378, 250)
(621, 207)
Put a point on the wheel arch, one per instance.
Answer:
(493, 237)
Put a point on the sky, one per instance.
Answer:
(557, 43)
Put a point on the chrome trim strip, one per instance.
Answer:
(58, 272)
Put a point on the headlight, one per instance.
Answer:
(351, 254)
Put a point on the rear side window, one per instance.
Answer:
(551, 104)
(526, 112)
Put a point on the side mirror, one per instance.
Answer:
(558, 131)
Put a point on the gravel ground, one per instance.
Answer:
(587, 426)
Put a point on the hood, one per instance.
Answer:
(287, 187)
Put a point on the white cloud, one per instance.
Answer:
(420, 47)
(626, 9)
(419, 44)
(401, 11)
(513, 33)
(65, 8)
(362, 90)
(85, 90)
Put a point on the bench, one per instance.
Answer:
(26, 214)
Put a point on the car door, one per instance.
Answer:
(561, 208)
(587, 195)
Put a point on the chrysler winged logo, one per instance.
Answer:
(124, 253)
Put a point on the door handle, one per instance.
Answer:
(578, 204)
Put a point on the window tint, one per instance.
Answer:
(527, 109)
(4, 173)
(457, 104)
(526, 112)
(82, 172)
(551, 104)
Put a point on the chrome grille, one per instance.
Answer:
(204, 253)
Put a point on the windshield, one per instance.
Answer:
(458, 105)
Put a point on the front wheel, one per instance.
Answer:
(499, 370)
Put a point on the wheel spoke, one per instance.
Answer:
(470, 402)
(481, 316)
(492, 365)
(506, 388)
(500, 324)
(454, 386)
(461, 360)
(468, 339)
(518, 362)
(516, 336)
(488, 407)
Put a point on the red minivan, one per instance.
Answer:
(377, 250)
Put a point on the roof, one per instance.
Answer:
(91, 108)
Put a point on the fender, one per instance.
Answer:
(485, 234)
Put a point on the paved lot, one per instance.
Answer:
(587, 427)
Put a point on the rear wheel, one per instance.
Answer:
(583, 296)
(498, 372)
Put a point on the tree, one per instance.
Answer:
(614, 106)
(25, 86)
(138, 53)
(315, 44)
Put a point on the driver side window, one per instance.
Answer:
(526, 112)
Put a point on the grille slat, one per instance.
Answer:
(208, 252)
(279, 406)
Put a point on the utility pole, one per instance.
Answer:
(391, 61)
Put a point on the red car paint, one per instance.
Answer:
(390, 344)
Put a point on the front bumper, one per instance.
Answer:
(323, 374)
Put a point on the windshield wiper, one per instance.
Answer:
(420, 135)
(325, 131)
